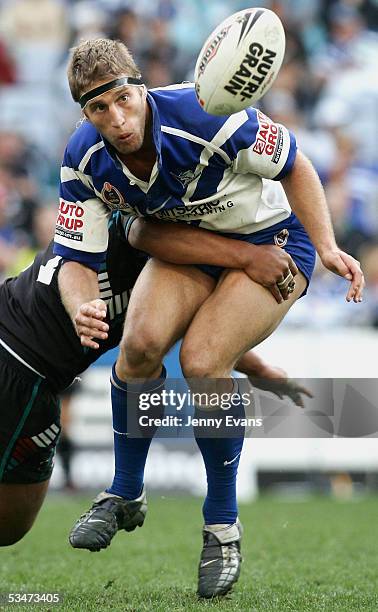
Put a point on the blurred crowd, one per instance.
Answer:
(326, 92)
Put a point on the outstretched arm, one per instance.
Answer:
(307, 199)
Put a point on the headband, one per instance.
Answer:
(97, 91)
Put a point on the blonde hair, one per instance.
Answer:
(94, 60)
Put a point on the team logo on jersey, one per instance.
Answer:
(112, 196)
(281, 238)
(186, 177)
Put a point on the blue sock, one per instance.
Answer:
(221, 456)
(131, 453)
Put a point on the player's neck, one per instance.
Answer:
(141, 162)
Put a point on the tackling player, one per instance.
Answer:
(40, 354)
(159, 154)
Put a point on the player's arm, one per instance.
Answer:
(81, 239)
(79, 291)
(271, 378)
(81, 232)
(181, 243)
(307, 199)
(269, 150)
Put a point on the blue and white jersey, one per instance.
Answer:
(214, 172)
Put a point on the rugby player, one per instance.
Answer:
(40, 353)
(157, 153)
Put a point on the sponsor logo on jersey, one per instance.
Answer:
(212, 50)
(77, 236)
(259, 146)
(186, 177)
(69, 220)
(269, 138)
(197, 210)
(281, 238)
(279, 147)
(246, 81)
(113, 197)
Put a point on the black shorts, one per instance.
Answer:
(29, 423)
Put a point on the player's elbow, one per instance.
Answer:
(302, 166)
(137, 233)
(302, 177)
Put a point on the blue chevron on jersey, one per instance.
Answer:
(215, 172)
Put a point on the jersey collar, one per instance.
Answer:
(156, 126)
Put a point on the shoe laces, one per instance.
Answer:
(232, 552)
(100, 504)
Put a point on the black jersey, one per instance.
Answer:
(35, 324)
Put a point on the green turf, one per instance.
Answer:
(315, 555)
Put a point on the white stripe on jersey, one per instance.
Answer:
(104, 285)
(118, 304)
(46, 439)
(111, 309)
(233, 123)
(89, 153)
(38, 442)
(69, 174)
(172, 87)
(25, 363)
(194, 138)
(87, 180)
(50, 434)
(102, 276)
(107, 293)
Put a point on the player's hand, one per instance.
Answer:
(276, 381)
(89, 323)
(345, 265)
(269, 265)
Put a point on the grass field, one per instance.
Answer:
(315, 555)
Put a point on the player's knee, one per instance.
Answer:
(141, 348)
(198, 364)
(19, 507)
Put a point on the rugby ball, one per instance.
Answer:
(239, 61)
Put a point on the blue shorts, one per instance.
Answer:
(288, 234)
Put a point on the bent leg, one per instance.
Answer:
(163, 303)
(237, 316)
(29, 429)
(19, 506)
